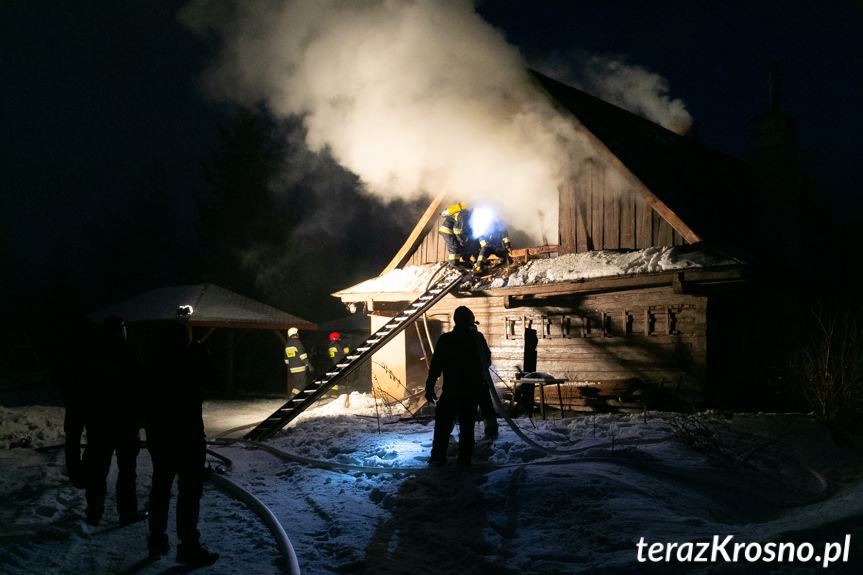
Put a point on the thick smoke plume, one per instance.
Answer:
(413, 97)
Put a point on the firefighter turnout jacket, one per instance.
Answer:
(455, 230)
(296, 357)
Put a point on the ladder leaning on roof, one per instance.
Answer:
(311, 394)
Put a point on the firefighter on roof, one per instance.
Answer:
(297, 361)
(456, 233)
(495, 242)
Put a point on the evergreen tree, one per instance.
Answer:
(242, 222)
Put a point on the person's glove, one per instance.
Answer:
(431, 397)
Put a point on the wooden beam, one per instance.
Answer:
(417, 235)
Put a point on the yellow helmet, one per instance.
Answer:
(454, 208)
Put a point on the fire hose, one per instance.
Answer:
(262, 511)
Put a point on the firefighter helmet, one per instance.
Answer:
(454, 209)
(334, 336)
(293, 331)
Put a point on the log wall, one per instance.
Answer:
(653, 334)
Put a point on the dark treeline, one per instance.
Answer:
(275, 222)
(272, 221)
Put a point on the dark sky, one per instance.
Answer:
(100, 100)
(715, 57)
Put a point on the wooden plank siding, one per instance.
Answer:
(431, 250)
(599, 338)
(597, 212)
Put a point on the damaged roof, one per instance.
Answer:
(212, 306)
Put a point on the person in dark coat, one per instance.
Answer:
(113, 417)
(494, 242)
(77, 357)
(177, 375)
(297, 361)
(338, 348)
(463, 357)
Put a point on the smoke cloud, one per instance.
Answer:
(416, 98)
(626, 85)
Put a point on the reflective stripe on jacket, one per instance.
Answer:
(296, 357)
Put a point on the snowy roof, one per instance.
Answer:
(212, 306)
(564, 269)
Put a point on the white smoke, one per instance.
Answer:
(625, 85)
(415, 97)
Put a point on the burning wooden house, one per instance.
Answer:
(671, 331)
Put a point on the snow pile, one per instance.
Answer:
(574, 267)
(367, 503)
(567, 268)
(412, 279)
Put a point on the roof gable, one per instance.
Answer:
(687, 183)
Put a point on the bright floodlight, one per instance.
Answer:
(482, 220)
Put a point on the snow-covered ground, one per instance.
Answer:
(577, 497)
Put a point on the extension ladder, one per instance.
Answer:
(317, 389)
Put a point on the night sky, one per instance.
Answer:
(101, 102)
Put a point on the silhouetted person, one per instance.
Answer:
(113, 417)
(177, 375)
(76, 359)
(463, 356)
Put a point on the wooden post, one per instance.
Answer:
(229, 365)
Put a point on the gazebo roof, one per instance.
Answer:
(212, 306)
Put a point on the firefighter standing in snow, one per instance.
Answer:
(337, 348)
(297, 361)
(456, 233)
(463, 356)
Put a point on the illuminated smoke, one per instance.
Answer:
(413, 97)
(626, 85)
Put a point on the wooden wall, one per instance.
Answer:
(652, 334)
(432, 249)
(598, 210)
